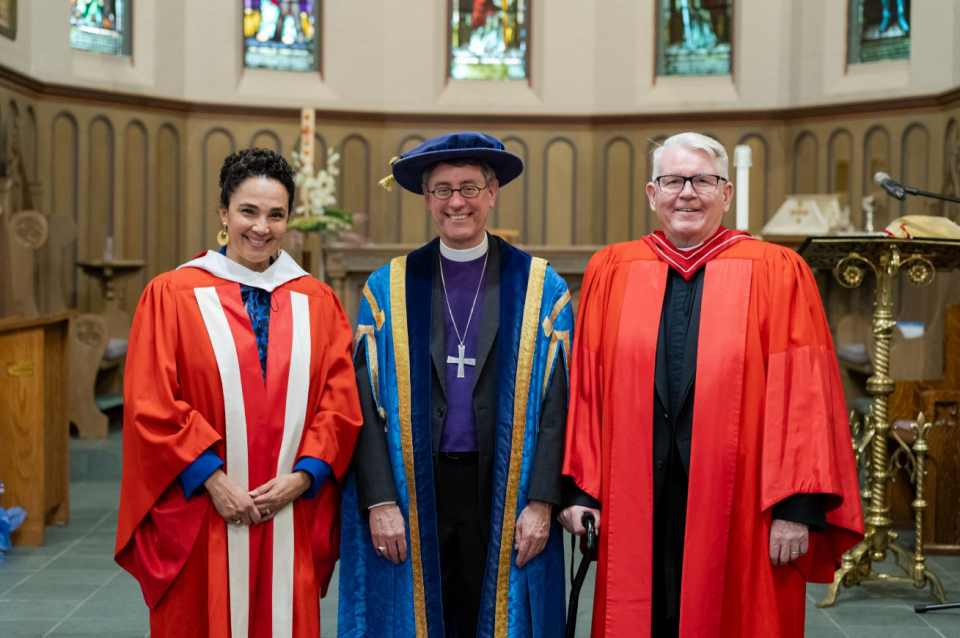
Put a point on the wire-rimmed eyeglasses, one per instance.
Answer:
(700, 183)
(467, 192)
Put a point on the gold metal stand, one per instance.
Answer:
(886, 257)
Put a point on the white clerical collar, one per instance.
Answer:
(686, 250)
(468, 254)
(281, 271)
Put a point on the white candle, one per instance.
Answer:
(742, 160)
(308, 124)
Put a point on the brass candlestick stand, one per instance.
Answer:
(886, 257)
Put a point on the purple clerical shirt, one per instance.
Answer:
(459, 432)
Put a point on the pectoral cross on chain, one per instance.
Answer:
(461, 360)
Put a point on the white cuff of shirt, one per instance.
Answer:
(383, 503)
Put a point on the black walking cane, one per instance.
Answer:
(590, 524)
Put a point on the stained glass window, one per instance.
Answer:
(281, 34)
(879, 30)
(102, 26)
(694, 37)
(488, 39)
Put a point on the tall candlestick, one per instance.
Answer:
(742, 160)
(308, 124)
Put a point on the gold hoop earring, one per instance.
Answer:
(222, 238)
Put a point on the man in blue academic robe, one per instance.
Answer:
(462, 347)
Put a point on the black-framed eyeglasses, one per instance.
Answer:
(467, 192)
(700, 183)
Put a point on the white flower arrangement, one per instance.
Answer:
(318, 196)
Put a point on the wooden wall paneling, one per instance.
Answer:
(414, 224)
(31, 145)
(11, 123)
(100, 221)
(759, 181)
(511, 211)
(64, 195)
(839, 168)
(916, 304)
(651, 223)
(356, 183)
(320, 150)
(806, 155)
(168, 220)
(558, 224)
(218, 144)
(876, 158)
(135, 211)
(618, 191)
(915, 168)
(951, 168)
(267, 139)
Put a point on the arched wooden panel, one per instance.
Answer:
(915, 167)
(12, 127)
(806, 154)
(876, 159)
(64, 187)
(511, 211)
(135, 211)
(840, 166)
(618, 190)
(759, 181)
(168, 221)
(217, 144)
(31, 143)
(9, 127)
(559, 192)
(100, 222)
(354, 187)
(267, 139)
(413, 222)
(651, 223)
(951, 168)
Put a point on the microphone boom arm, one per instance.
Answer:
(916, 192)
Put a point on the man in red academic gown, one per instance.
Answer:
(706, 421)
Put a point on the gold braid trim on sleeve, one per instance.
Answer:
(373, 362)
(557, 307)
(378, 315)
(555, 339)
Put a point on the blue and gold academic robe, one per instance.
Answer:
(378, 598)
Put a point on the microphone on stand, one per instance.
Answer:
(894, 189)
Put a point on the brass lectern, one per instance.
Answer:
(849, 258)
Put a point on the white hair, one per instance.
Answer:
(695, 142)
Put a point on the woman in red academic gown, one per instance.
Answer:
(240, 416)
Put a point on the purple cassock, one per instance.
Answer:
(459, 433)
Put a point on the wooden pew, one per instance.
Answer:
(34, 430)
(939, 400)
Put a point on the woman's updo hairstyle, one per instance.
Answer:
(255, 162)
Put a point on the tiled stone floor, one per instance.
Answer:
(72, 587)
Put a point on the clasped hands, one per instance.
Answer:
(788, 540)
(234, 503)
(388, 532)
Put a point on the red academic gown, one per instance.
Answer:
(193, 380)
(769, 421)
